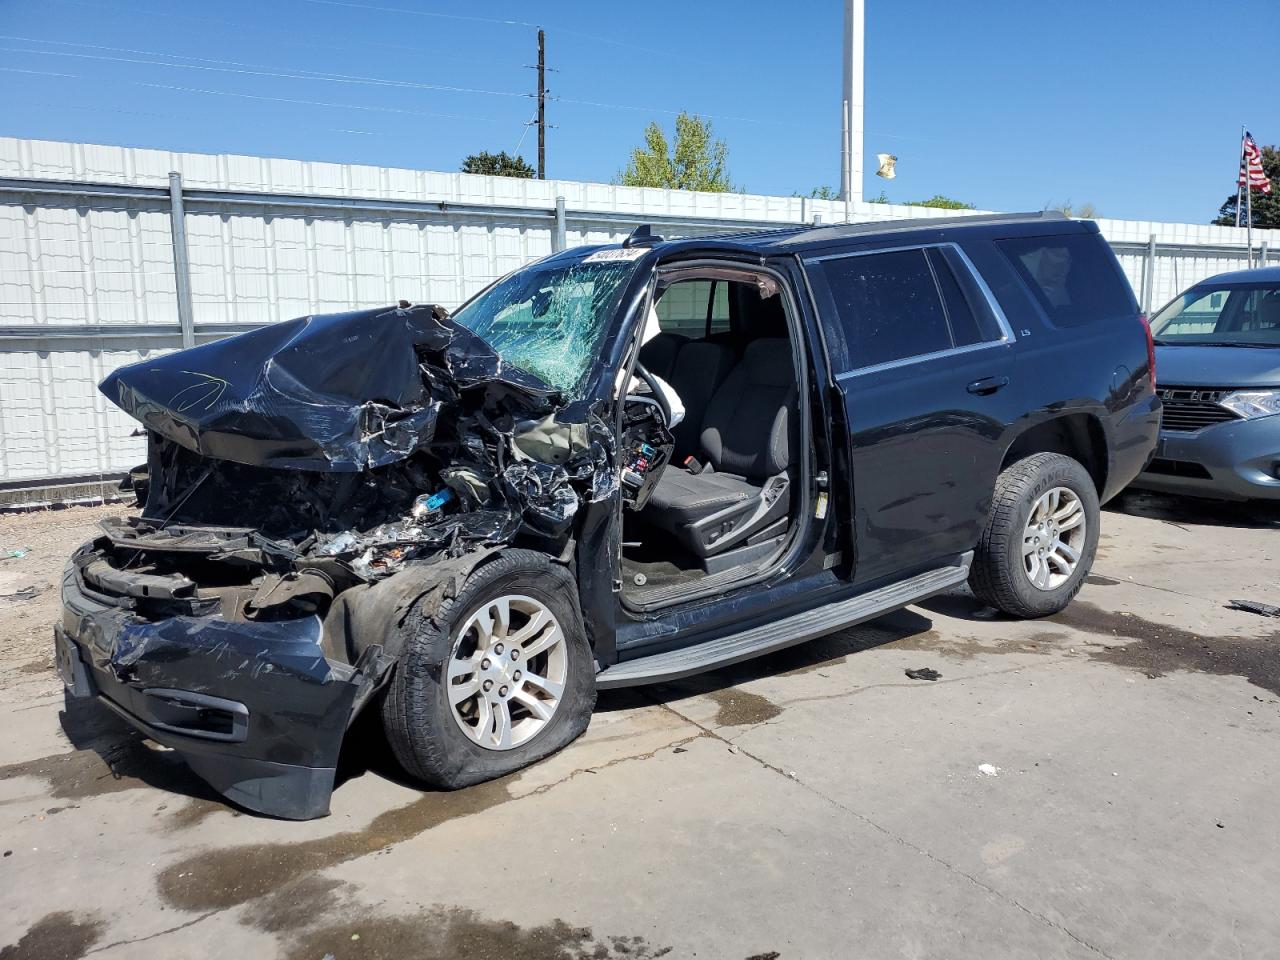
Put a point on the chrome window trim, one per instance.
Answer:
(1007, 336)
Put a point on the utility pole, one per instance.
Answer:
(852, 101)
(542, 105)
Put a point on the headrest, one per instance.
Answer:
(768, 362)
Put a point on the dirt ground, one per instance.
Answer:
(1102, 783)
(29, 584)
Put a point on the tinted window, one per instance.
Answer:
(686, 307)
(1072, 277)
(898, 305)
(960, 317)
(719, 307)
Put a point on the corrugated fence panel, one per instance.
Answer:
(87, 282)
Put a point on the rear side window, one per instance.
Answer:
(901, 304)
(694, 308)
(1072, 277)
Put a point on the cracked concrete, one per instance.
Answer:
(815, 803)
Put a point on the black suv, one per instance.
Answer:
(617, 465)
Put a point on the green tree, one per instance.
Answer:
(1085, 211)
(497, 165)
(698, 161)
(820, 193)
(1266, 206)
(943, 203)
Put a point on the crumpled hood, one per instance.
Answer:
(337, 392)
(1198, 366)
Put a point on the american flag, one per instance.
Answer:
(1251, 172)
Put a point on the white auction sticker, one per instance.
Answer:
(615, 253)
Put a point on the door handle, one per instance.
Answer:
(987, 385)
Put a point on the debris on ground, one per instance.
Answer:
(15, 554)
(988, 769)
(924, 673)
(1255, 606)
(26, 593)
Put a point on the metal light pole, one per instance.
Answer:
(851, 104)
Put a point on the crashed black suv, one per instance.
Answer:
(617, 465)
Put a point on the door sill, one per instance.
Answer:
(779, 634)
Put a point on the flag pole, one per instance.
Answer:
(1240, 172)
(1248, 205)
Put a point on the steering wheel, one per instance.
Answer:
(657, 390)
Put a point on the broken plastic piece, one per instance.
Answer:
(924, 673)
(1255, 606)
(429, 505)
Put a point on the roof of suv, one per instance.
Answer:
(793, 239)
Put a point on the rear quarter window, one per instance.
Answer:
(1073, 277)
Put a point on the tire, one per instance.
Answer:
(429, 736)
(1000, 576)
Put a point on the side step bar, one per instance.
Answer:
(768, 637)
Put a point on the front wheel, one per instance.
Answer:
(1040, 537)
(495, 679)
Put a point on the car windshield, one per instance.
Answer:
(1222, 314)
(549, 318)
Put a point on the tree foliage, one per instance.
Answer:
(1266, 206)
(943, 203)
(697, 162)
(497, 165)
(1083, 211)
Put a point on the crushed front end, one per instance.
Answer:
(310, 488)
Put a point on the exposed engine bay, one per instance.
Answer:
(274, 483)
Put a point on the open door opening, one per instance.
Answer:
(719, 342)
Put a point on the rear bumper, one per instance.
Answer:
(255, 709)
(1239, 460)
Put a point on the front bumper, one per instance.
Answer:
(255, 709)
(1239, 460)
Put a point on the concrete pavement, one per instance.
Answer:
(1100, 784)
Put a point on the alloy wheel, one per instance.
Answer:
(507, 674)
(1054, 538)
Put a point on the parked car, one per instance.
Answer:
(1218, 353)
(617, 465)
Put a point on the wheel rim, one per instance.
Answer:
(1053, 541)
(507, 674)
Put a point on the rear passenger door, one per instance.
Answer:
(924, 360)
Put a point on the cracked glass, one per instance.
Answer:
(549, 319)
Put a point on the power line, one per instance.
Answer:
(420, 13)
(313, 103)
(276, 39)
(259, 70)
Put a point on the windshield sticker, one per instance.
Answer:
(615, 253)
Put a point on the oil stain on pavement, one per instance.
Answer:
(738, 708)
(446, 933)
(55, 936)
(215, 879)
(1157, 649)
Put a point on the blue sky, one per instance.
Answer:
(1133, 106)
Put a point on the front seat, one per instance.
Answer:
(742, 495)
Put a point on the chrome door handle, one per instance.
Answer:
(987, 385)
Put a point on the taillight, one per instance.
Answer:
(1151, 348)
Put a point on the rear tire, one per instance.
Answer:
(1040, 537)
(451, 722)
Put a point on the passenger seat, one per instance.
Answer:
(695, 369)
(746, 441)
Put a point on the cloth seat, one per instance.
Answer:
(746, 440)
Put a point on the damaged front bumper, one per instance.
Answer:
(256, 709)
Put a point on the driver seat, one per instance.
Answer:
(742, 495)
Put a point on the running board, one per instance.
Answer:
(779, 634)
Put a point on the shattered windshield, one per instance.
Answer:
(549, 319)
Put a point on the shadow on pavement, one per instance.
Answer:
(803, 658)
(1249, 515)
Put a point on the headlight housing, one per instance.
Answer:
(1251, 404)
